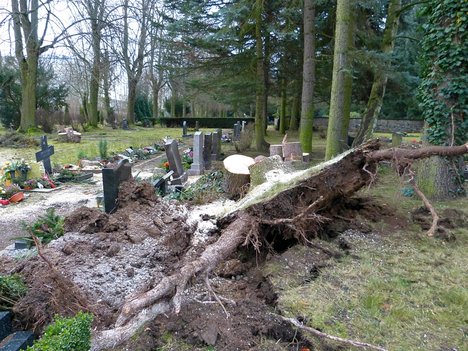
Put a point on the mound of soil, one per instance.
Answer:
(17, 140)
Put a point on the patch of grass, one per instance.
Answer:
(404, 292)
(117, 141)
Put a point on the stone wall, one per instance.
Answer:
(384, 125)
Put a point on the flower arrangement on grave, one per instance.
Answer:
(187, 158)
(23, 166)
(165, 166)
(30, 184)
(10, 190)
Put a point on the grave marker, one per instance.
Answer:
(111, 179)
(215, 146)
(175, 162)
(207, 141)
(197, 166)
(237, 132)
(44, 154)
(184, 129)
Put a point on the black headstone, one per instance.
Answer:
(19, 340)
(184, 128)
(44, 154)
(5, 324)
(111, 179)
(208, 140)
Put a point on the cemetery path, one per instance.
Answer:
(64, 200)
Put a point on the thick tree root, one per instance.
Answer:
(323, 335)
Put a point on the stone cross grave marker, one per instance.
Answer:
(44, 154)
(111, 179)
(175, 162)
(197, 166)
(207, 141)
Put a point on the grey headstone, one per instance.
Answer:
(175, 162)
(17, 341)
(44, 154)
(111, 179)
(237, 132)
(243, 125)
(215, 146)
(397, 138)
(184, 128)
(207, 141)
(125, 124)
(5, 324)
(197, 125)
(198, 165)
(220, 135)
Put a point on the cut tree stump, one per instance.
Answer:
(237, 174)
(292, 151)
(293, 205)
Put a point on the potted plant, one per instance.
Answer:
(13, 193)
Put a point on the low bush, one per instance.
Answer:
(66, 334)
(46, 228)
(12, 288)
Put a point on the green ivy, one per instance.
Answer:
(443, 92)
(66, 334)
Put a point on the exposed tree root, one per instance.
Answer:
(323, 335)
(296, 208)
(435, 217)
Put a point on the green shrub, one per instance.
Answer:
(46, 228)
(103, 149)
(12, 288)
(66, 334)
(81, 155)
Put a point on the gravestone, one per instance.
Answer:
(215, 146)
(397, 138)
(111, 179)
(243, 125)
(207, 141)
(161, 183)
(184, 129)
(5, 324)
(237, 132)
(198, 164)
(125, 124)
(19, 340)
(175, 162)
(197, 125)
(44, 154)
(218, 141)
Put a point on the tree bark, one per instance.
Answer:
(282, 126)
(308, 81)
(374, 104)
(295, 113)
(341, 69)
(131, 99)
(260, 117)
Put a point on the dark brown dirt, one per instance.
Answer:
(449, 220)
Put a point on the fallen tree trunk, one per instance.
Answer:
(293, 205)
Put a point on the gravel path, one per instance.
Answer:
(64, 200)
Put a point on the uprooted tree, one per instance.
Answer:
(292, 205)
